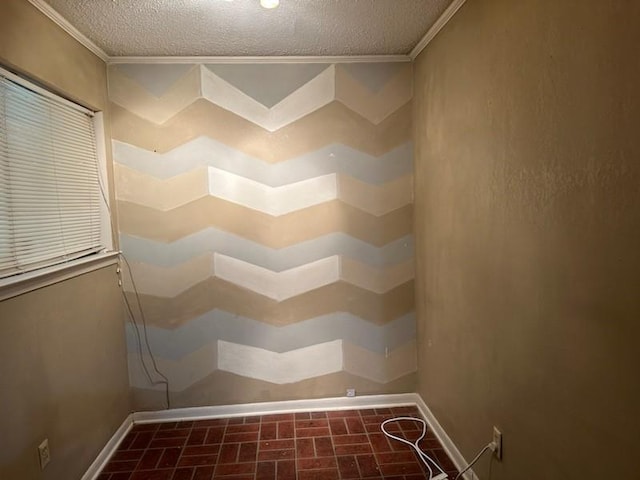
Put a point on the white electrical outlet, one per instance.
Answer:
(351, 392)
(497, 440)
(44, 453)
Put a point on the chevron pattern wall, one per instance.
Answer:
(266, 212)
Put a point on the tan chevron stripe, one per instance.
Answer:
(171, 281)
(143, 189)
(137, 187)
(379, 105)
(274, 232)
(380, 368)
(374, 279)
(334, 123)
(377, 200)
(336, 297)
(224, 388)
(128, 93)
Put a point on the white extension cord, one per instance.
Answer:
(426, 459)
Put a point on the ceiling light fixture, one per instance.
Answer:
(269, 3)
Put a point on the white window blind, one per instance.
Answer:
(49, 186)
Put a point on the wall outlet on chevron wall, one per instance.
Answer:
(351, 392)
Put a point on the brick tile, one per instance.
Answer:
(236, 421)
(214, 422)
(201, 450)
(141, 441)
(285, 430)
(235, 469)
(354, 425)
(145, 427)
(266, 471)
(313, 432)
(368, 466)
(338, 427)
(368, 412)
(168, 425)
(328, 474)
(197, 436)
(403, 411)
(400, 469)
(383, 411)
(248, 452)
(443, 459)
(350, 439)
(203, 473)
(255, 419)
(104, 476)
(149, 460)
(288, 454)
(196, 460)
(372, 427)
(316, 463)
(127, 441)
(169, 458)
(185, 473)
(119, 476)
(278, 417)
(374, 419)
(410, 425)
(185, 424)
(286, 470)
(268, 431)
(229, 453)
(276, 444)
(348, 467)
(126, 466)
(396, 457)
(303, 416)
(324, 446)
(343, 414)
(355, 449)
(214, 435)
(167, 442)
(241, 437)
(183, 432)
(317, 415)
(152, 475)
(252, 427)
(320, 422)
(122, 455)
(305, 448)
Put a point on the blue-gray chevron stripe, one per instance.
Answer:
(212, 240)
(220, 325)
(205, 151)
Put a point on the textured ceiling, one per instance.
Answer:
(243, 28)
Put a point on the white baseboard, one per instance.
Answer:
(109, 449)
(289, 406)
(266, 408)
(444, 439)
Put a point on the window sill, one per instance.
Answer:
(27, 282)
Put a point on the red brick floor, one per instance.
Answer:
(338, 445)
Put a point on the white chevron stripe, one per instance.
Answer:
(278, 285)
(280, 368)
(171, 281)
(308, 98)
(274, 201)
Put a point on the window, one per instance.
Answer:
(51, 206)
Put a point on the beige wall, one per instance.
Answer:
(527, 229)
(63, 368)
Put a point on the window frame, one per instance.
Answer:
(48, 275)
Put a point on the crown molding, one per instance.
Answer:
(436, 27)
(254, 60)
(63, 23)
